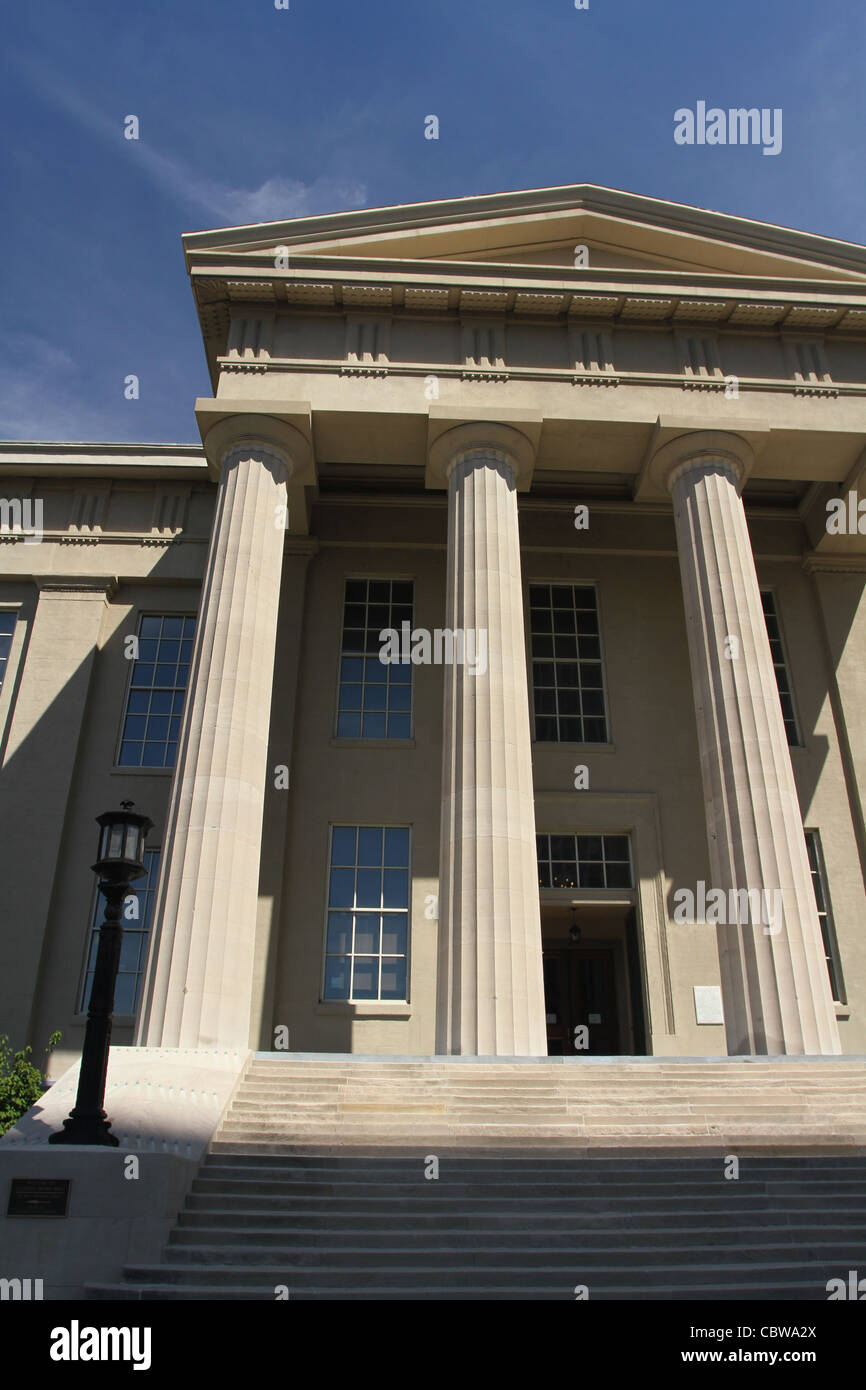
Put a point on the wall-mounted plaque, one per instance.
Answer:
(38, 1197)
(708, 1004)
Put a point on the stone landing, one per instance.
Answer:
(589, 1103)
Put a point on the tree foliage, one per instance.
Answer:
(21, 1083)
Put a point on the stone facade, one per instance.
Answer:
(437, 396)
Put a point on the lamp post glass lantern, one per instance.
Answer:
(120, 861)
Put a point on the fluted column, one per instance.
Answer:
(774, 977)
(491, 992)
(200, 978)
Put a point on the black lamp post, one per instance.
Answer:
(121, 850)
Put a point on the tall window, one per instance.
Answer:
(774, 632)
(157, 687)
(136, 920)
(367, 943)
(584, 861)
(375, 699)
(825, 915)
(7, 628)
(567, 678)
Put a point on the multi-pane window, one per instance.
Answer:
(7, 628)
(367, 943)
(136, 920)
(375, 699)
(157, 687)
(584, 861)
(567, 679)
(825, 915)
(774, 632)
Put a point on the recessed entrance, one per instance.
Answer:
(579, 994)
(593, 999)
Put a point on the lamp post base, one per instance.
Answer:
(86, 1129)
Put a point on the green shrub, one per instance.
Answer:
(21, 1083)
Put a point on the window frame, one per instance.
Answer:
(137, 769)
(593, 584)
(769, 590)
(8, 667)
(571, 833)
(21, 630)
(832, 955)
(359, 740)
(349, 1002)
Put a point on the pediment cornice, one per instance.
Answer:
(651, 297)
(512, 218)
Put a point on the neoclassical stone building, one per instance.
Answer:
(575, 449)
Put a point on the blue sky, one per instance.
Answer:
(249, 113)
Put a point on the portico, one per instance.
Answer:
(375, 855)
(775, 989)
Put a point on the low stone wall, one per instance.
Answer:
(164, 1105)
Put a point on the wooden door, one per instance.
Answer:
(580, 991)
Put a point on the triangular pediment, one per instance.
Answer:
(622, 232)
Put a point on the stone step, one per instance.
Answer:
(501, 1188)
(570, 1143)
(673, 1165)
(555, 1070)
(813, 1238)
(462, 1275)
(421, 1118)
(503, 1181)
(752, 1292)
(814, 1092)
(780, 1103)
(577, 1070)
(563, 1085)
(560, 1079)
(424, 1119)
(568, 1132)
(580, 1258)
(840, 1204)
(573, 1169)
(351, 1064)
(521, 1225)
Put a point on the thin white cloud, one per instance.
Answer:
(282, 198)
(277, 198)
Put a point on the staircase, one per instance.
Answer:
(553, 1178)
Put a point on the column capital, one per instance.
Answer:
(510, 433)
(284, 432)
(678, 439)
(699, 449)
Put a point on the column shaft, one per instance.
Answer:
(200, 977)
(774, 976)
(491, 992)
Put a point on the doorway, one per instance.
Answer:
(580, 993)
(593, 980)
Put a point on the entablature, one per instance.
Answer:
(539, 291)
